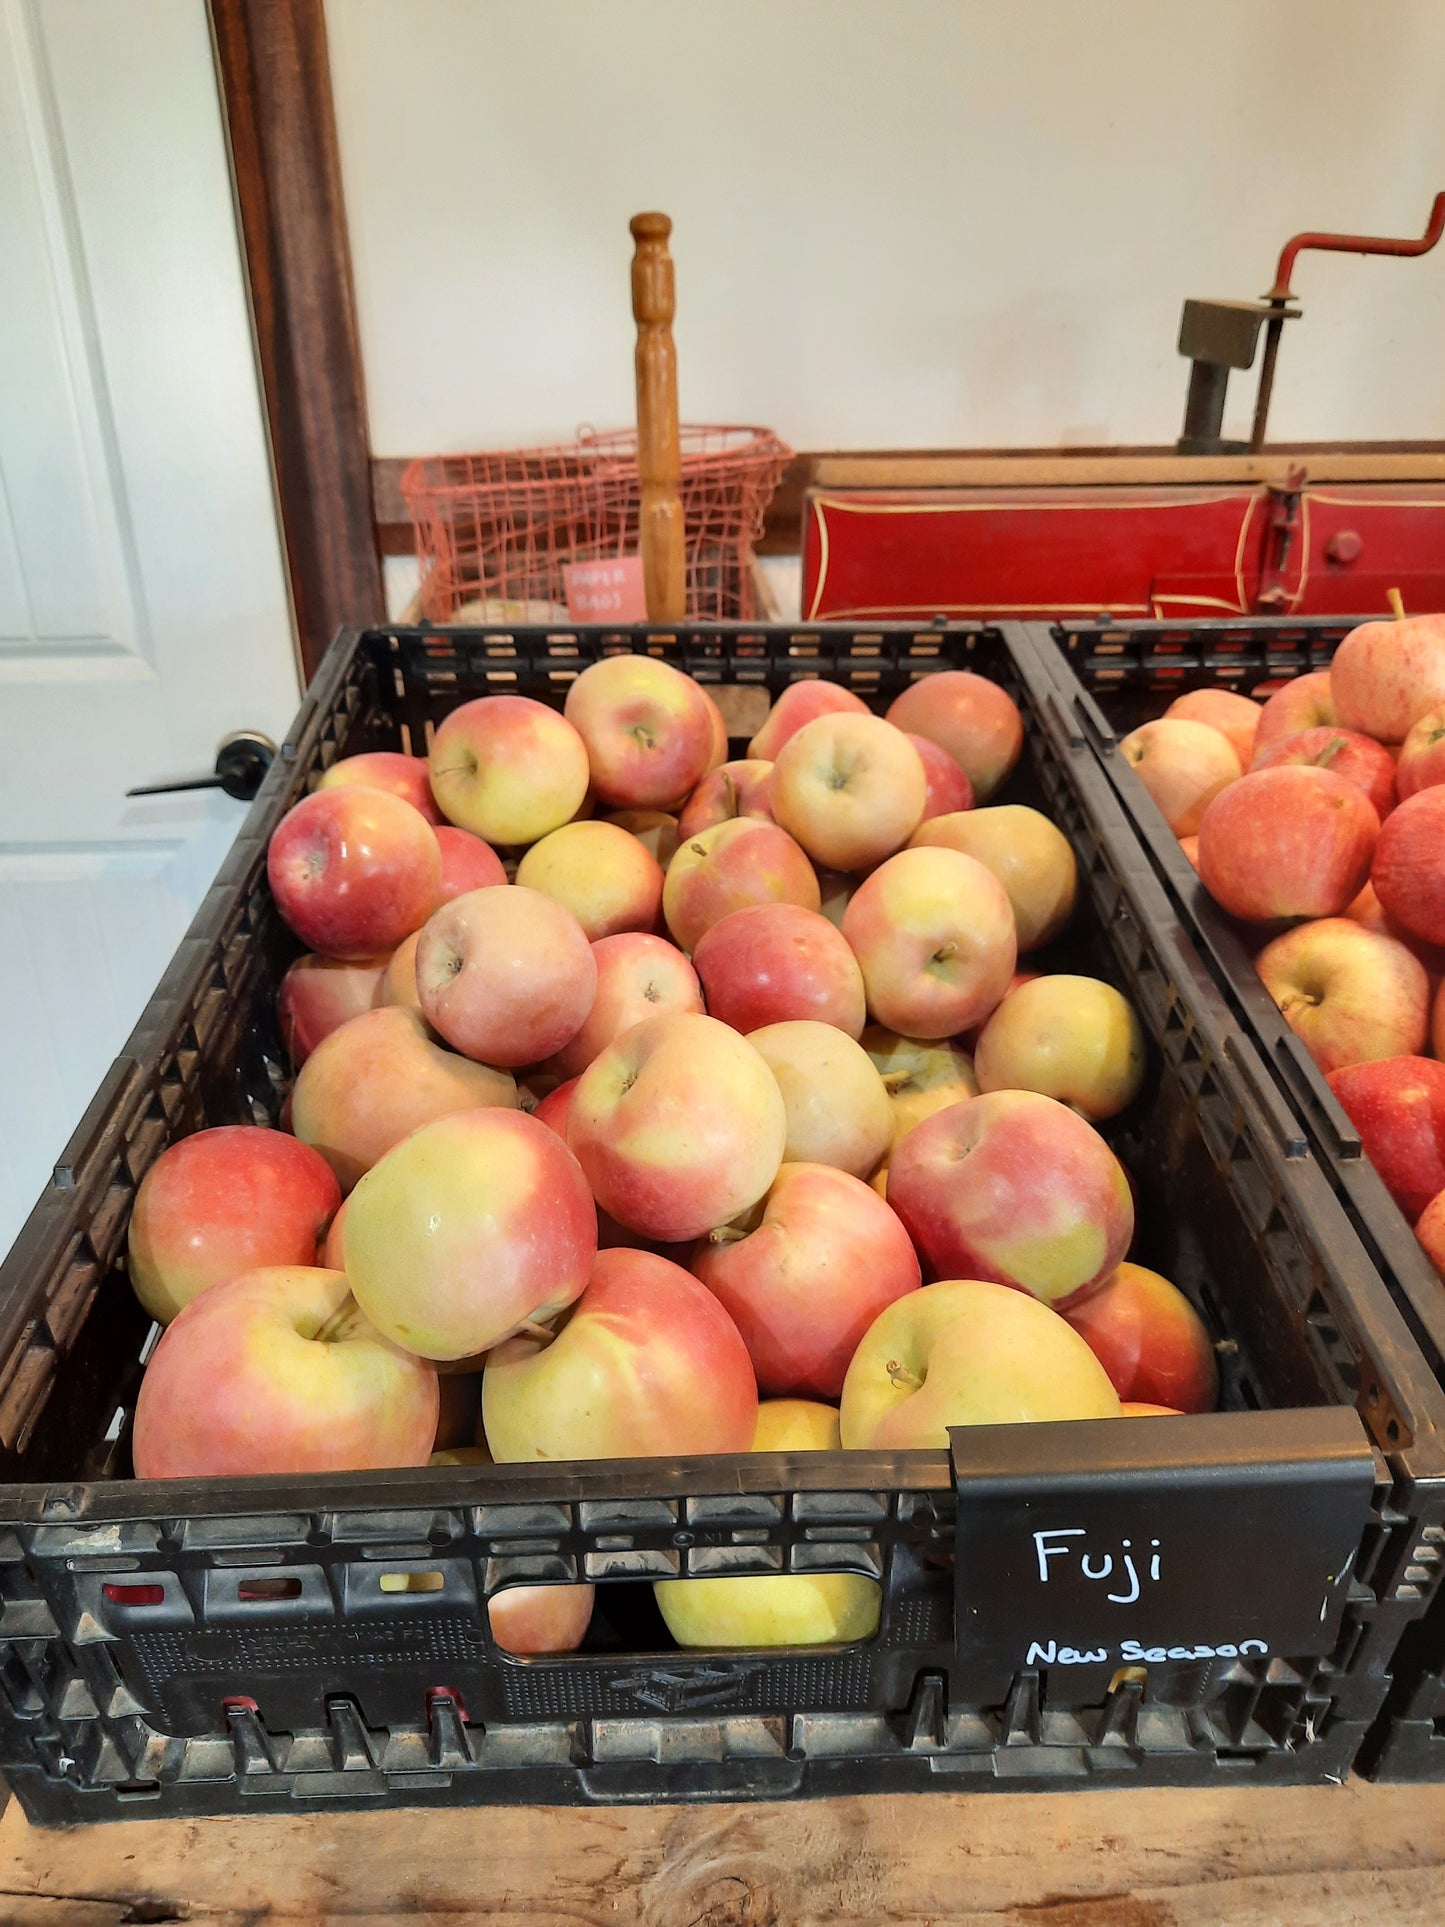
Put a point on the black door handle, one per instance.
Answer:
(241, 765)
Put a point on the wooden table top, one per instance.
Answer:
(1310, 1857)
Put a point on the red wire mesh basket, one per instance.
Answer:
(497, 528)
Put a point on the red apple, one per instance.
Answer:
(233, 1199)
(726, 868)
(1150, 1340)
(649, 1365)
(733, 789)
(1437, 1021)
(1305, 703)
(1422, 755)
(376, 1080)
(1016, 1188)
(800, 703)
(553, 1108)
(774, 962)
(602, 874)
(541, 1619)
(278, 1371)
(648, 729)
(508, 769)
(505, 976)
(805, 1280)
(1409, 867)
(973, 719)
(1233, 715)
(1397, 1104)
(638, 976)
(472, 1227)
(1386, 675)
(1183, 766)
(933, 932)
(320, 994)
(1288, 842)
(387, 769)
(354, 870)
(949, 789)
(1350, 994)
(467, 863)
(679, 1126)
(1430, 1230)
(849, 789)
(1359, 759)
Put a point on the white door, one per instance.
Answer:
(143, 609)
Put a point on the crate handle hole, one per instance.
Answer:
(135, 1595)
(412, 1582)
(282, 1587)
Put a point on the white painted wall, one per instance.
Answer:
(899, 222)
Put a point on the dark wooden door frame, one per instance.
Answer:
(275, 86)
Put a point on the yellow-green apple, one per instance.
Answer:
(277, 1370)
(949, 789)
(508, 769)
(376, 1080)
(398, 983)
(776, 1609)
(966, 1352)
(800, 703)
(648, 729)
(1030, 856)
(679, 1126)
(1386, 675)
(1348, 993)
(1183, 766)
(647, 1365)
(1073, 1038)
(838, 1111)
(553, 1108)
(474, 1226)
(459, 1413)
(540, 1619)
(638, 976)
(505, 976)
(1305, 703)
(1397, 1104)
(973, 719)
(1359, 759)
(726, 868)
(1233, 715)
(602, 874)
(1422, 755)
(467, 862)
(354, 870)
(933, 932)
(1016, 1188)
(732, 789)
(850, 789)
(920, 1077)
(232, 1199)
(320, 994)
(1430, 1230)
(835, 889)
(805, 1273)
(387, 769)
(1150, 1340)
(1289, 842)
(1408, 871)
(655, 830)
(773, 962)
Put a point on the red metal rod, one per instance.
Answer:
(1354, 244)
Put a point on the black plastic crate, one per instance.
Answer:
(1118, 675)
(196, 1647)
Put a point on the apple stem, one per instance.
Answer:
(726, 1234)
(529, 1328)
(895, 1080)
(901, 1375)
(1397, 604)
(337, 1319)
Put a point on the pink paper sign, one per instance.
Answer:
(606, 591)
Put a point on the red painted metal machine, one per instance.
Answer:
(1213, 528)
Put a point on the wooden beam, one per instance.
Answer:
(276, 94)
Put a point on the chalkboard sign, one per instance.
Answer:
(1085, 1548)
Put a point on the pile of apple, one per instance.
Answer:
(1324, 809)
(670, 1106)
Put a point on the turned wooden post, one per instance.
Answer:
(659, 458)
